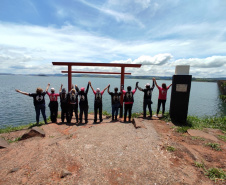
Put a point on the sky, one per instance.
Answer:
(159, 34)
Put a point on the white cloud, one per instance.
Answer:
(209, 62)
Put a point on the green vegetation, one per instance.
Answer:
(194, 122)
(136, 114)
(199, 165)
(170, 148)
(105, 113)
(21, 127)
(14, 140)
(197, 138)
(215, 174)
(214, 146)
(223, 138)
(223, 97)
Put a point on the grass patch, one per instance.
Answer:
(214, 146)
(136, 114)
(195, 122)
(14, 140)
(170, 148)
(215, 174)
(223, 138)
(105, 113)
(199, 165)
(21, 127)
(197, 138)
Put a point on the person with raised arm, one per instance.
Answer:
(39, 102)
(73, 103)
(98, 102)
(147, 97)
(115, 102)
(64, 104)
(128, 101)
(83, 103)
(53, 104)
(162, 97)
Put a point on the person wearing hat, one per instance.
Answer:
(64, 104)
(128, 101)
(147, 97)
(53, 104)
(98, 102)
(115, 102)
(83, 103)
(39, 102)
(73, 103)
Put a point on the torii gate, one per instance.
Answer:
(123, 66)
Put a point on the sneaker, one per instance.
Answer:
(155, 115)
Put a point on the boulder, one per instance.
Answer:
(137, 123)
(3, 143)
(64, 173)
(199, 133)
(35, 131)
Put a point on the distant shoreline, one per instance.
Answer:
(118, 76)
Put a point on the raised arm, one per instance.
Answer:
(169, 86)
(47, 87)
(87, 89)
(19, 91)
(61, 88)
(139, 87)
(106, 87)
(76, 88)
(155, 82)
(91, 86)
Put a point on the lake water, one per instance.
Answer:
(17, 109)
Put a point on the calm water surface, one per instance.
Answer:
(17, 109)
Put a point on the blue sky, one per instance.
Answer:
(159, 34)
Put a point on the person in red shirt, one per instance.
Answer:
(53, 104)
(162, 96)
(128, 101)
(98, 102)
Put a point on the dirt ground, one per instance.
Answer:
(110, 153)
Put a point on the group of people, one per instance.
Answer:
(70, 101)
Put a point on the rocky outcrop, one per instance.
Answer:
(3, 143)
(35, 131)
(137, 123)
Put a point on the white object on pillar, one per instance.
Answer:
(182, 70)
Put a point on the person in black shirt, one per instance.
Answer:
(64, 104)
(73, 103)
(115, 102)
(39, 102)
(98, 102)
(147, 98)
(83, 103)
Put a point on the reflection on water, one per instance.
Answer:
(18, 109)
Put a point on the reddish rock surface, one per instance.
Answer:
(109, 153)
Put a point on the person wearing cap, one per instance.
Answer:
(64, 104)
(147, 97)
(53, 104)
(162, 97)
(98, 102)
(73, 103)
(83, 103)
(38, 101)
(115, 102)
(128, 101)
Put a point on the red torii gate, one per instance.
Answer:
(123, 66)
